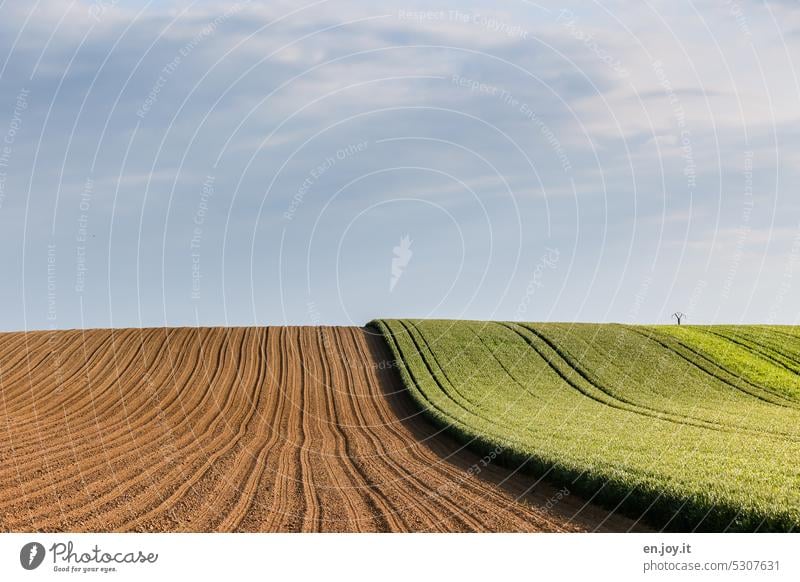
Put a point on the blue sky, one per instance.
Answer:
(240, 163)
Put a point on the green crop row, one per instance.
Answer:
(681, 428)
(742, 355)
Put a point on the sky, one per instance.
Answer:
(178, 163)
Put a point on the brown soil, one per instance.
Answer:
(242, 429)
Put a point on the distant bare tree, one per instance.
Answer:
(678, 315)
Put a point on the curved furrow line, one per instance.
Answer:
(564, 362)
(75, 395)
(9, 453)
(460, 423)
(431, 475)
(108, 421)
(412, 497)
(135, 482)
(715, 369)
(183, 358)
(202, 462)
(726, 424)
(771, 340)
(196, 508)
(779, 344)
(222, 505)
(49, 491)
(31, 343)
(450, 511)
(780, 330)
(608, 399)
(278, 499)
(416, 337)
(420, 465)
(773, 356)
(60, 451)
(425, 464)
(341, 470)
(8, 458)
(312, 514)
(59, 364)
(232, 518)
(571, 513)
(454, 461)
(482, 499)
(528, 391)
(258, 513)
(125, 360)
(562, 367)
(462, 401)
(85, 486)
(172, 464)
(20, 383)
(427, 406)
(413, 473)
(143, 383)
(35, 382)
(12, 345)
(287, 507)
(778, 341)
(14, 355)
(97, 399)
(316, 443)
(111, 434)
(108, 375)
(380, 507)
(212, 443)
(68, 369)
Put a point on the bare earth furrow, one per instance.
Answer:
(419, 489)
(344, 502)
(140, 473)
(126, 450)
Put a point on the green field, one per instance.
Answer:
(691, 428)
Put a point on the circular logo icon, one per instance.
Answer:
(31, 555)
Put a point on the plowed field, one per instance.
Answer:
(242, 429)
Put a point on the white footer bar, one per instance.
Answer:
(406, 557)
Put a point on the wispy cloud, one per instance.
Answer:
(591, 116)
